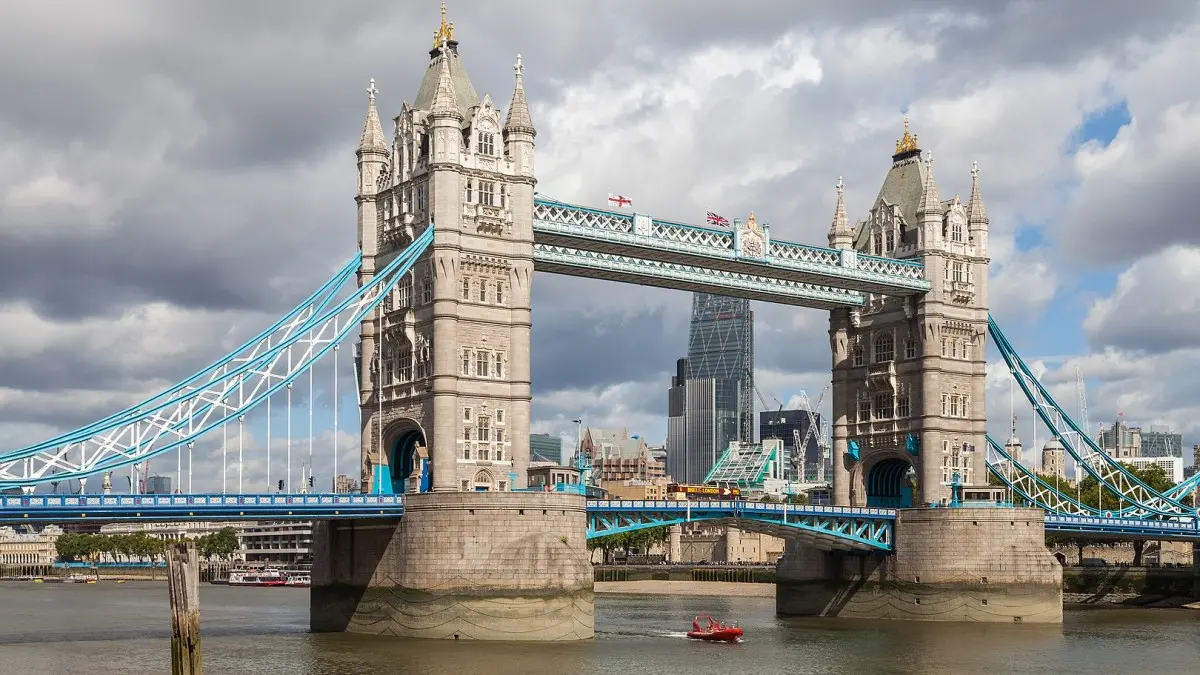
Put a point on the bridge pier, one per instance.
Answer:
(949, 564)
(510, 566)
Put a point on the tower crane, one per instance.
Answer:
(814, 428)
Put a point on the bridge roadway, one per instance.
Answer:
(827, 527)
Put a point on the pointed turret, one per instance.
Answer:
(840, 235)
(518, 119)
(372, 133)
(445, 101)
(977, 215)
(929, 213)
(931, 201)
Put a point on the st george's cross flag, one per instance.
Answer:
(720, 221)
(619, 201)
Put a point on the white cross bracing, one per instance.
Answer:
(1110, 473)
(224, 392)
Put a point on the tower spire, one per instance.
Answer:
(445, 102)
(976, 211)
(518, 110)
(445, 31)
(839, 229)
(372, 133)
(931, 202)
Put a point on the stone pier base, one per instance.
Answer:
(982, 565)
(507, 566)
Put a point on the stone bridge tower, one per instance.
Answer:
(444, 371)
(909, 409)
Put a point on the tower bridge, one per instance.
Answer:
(450, 231)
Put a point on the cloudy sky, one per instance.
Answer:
(175, 175)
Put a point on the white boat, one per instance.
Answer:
(298, 579)
(256, 578)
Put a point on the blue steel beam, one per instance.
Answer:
(831, 527)
(108, 508)
(626, 234)
(1181, 529)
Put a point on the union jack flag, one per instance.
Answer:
(619, 200)
(720, 221)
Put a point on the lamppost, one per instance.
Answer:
(584, 474)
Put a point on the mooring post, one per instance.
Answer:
(183, 581)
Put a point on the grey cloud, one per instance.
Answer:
(221, 136)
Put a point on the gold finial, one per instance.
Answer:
(445, 31)
(909, 142)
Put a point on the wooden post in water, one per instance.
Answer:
(183, 580)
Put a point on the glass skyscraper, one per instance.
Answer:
(711, 400)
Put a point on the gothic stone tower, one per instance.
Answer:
(445, 389)
(908, 374)
(445, 385)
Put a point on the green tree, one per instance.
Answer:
(224, 543)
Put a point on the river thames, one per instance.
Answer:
(124, 629)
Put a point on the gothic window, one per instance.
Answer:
(424, 146)
(466, 291)
(481, 364)
(960, 273)
(388, 375)
(858, 355)
(483, 290)
(883, 406)
(503, 195)
(466, 451)
(466, 414)
(426, 291)
(483, 424)
(487, 143)
(966, 350)
(503, 485)
(487, 193)
(404, 362)
(422, 196)
(499, 292)
(965, 407)
(499, 436)
(889, 242)
(466, 433)
(885, 348)
(904, 402)
(878, 241)
(466, 362)
(864, 409)
(956, 230)
(404, 291)
(465, 485)
(499, 365)
(468, 183)
(910, 348)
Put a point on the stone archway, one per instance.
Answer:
(405, 442)
(888, 483)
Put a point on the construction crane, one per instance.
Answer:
(814, 429)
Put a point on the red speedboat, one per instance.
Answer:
(705, 627)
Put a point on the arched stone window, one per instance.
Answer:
(858, 355)
(483, 482)
(885, 347)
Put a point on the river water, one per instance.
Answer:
(124, 629)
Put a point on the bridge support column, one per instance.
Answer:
(509, 566)
(949, 564)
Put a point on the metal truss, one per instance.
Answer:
(1033, 489)
(1176, 529)
(254, 348)
(225, 393)
(648, 272)
(829, 527)
(1114, 477)
(104, 508)
(639, 236)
